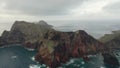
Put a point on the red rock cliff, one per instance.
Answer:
(58, 47)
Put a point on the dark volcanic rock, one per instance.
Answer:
(54, 47)
(111, 43)
(110, 59)
(58, 47)
(12, 37)
(25, 33)
(108, 37)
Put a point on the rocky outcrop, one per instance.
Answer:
(54, 47)
(58, 47)
(110, 59)
(113, 44)
(111, 41)
(15, 37)
(108, 37)
(26, 33)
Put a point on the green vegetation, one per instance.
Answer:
(109, 37)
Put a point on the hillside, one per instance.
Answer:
(108, 37)
(112, 41)
(58, 47)
(54, 47)
(22, 32)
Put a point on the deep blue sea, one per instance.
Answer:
(19, 57)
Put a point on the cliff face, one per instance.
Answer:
(54, 47)
(111, 41)
(32, 31)
(57, 47)
(15, 37)
(108, 37)
(114, 43)
(24, 32)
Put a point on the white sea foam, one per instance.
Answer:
(13, 57)
(37, 66)
(91, 56)
(29, 49)
(70, 62)
(82, 62)
(82, 67)
(102, 67)
(5, 46)
(76, 65)
(34, 66)
(33, 58)
(43, 65)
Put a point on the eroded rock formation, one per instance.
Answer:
(54, 47)
(111, 60)
(58, 47)
(23, 32)
(111, 43)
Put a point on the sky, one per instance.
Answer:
(97, 17)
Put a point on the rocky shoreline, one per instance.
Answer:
(54, 47)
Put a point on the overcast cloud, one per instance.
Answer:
(39, 7)
(60, 11)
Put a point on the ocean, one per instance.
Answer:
(19, 57)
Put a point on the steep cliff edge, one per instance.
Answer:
(58, 47)
(54, 47)
(25, 33)
(112, 41)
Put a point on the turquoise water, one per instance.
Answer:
(19, 57)
(16, 57)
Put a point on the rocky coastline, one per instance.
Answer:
(54, 47)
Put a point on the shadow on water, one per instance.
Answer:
(16, 57)
(110, 66)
